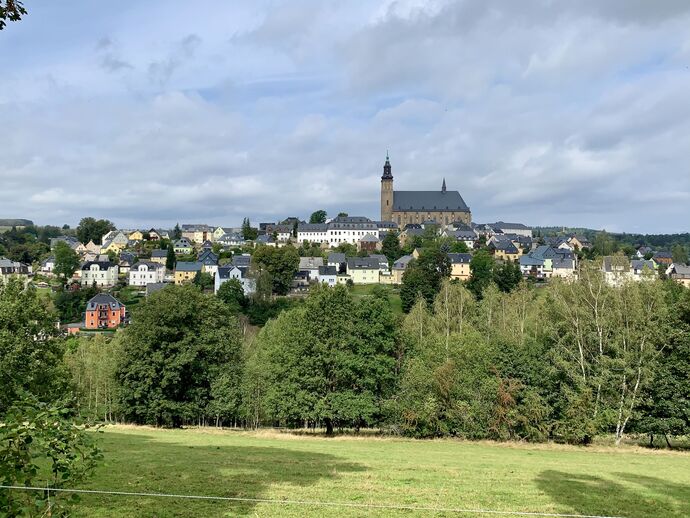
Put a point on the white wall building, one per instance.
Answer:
(103, 273)
(146, 272)
(345, 229)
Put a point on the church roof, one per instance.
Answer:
(438, 201)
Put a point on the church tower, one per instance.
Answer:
(387, 192)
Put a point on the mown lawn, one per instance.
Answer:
(366, 290)
(630, 482)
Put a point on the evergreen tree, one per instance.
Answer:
(171, 259)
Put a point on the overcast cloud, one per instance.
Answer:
(543, 112)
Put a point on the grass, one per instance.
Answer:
(630, 482)
(366, 290)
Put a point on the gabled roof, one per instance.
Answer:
(150, 264)
(242, 260)
(363, 263)
(102, 265)
(369, 238)
(328, 270)
(224, 272)
(439, 201)
(402, 262)
(183, 242)
(188, 266)
(312, 227)
(460, 258)
(615, 264)
(641, 264)
(159, 253)
(310, 263)
(336, 257)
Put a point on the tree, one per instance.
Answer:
(66, 260)
(482, 272)
(330, 361)
(603, 244)
(12, 11)
(248, 232)
(203, 280)
(70, 305)
(318, 216)
(231, 293)
(43, 444)
(507, 276)
(680, 254)
(177, 232)
(180, 342)
(91, 229)
(342, 214)
(391, 247)
(31, 350)
(171, 258)
(280, 263)
(423, 277)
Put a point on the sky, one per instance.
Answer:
(543, 112)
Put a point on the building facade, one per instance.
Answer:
(405, 207)
(104, 312)
(102, 273)
(146, 272)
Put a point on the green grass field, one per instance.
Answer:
(366, 290)
(630, 481)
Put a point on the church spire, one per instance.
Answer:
(387, 174)
(443, 186)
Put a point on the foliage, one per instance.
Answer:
(482, 272)
(30, 349)
(12, 11)
(280, 263)
(177, 232)
(248, 232)
(423, 277)
(203, 280)
(231, 293)
(318, 216)
(66, 260)
(680, 254)
(71, 305)
(179, 344)
(91, 229)
(390, 247)
(330, 360)
(43, 445)
(171, 258)
(507, 276)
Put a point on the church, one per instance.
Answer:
(403, 207)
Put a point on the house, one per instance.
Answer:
(327, 275)
(146, 272)
(104, 312)
(563, 267)
(153, 235)
(363, 270)
(399, 267)
(616, 269)
(643, 270)
(127, 259)
(532, 266)
(112, 246)
(225, 273)
(159, 256)
(643, 251)
(343, 229)
(102, 273)
(469, 237)
(512, 228)
(93, 247)
(48, 265)
(300, 282)
(579, 242)
(383, 262)
(504, 249)
(13, 269)
(663, 257)
(231, 239)
(183, 246)
(242, 261)
(281, 233)
(369, 243)
(197, 233)
(220, 232)
(410, 233)
(209, 260)
(266, 240)
(115, 237)
(312, 233)
(679, 273)
(207, 245)
(310, 265)
(73, 242)
(136, 235)
(185, 271)
(460, 266)
(338, 260)
(386, 226)
(539, 263)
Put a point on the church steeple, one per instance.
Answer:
(387, 174)
(443, 186)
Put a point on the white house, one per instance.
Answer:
(146, 272)
(103, 273)
(327, 275)
(225, 273)
(343, 229)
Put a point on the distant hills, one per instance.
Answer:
(15, 222)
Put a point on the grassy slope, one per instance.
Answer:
(628, 482)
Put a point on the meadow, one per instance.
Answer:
(629, 481)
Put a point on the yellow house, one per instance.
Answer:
(460, 266)
(399, 267)
(159, 256)
(363, 270)
(186, 271)
(137, 235)
(112, 247)
(505, 250)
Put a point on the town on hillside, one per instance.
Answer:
(119, 266)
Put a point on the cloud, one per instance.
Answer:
(558, 113)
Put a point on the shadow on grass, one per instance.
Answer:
(587, 494)
(140, 463)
